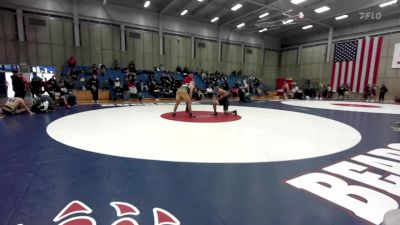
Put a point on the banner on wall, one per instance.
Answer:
(44, 72)
(396, 57)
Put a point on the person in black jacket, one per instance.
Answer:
(50, 87)
(61, 95)
(37, 85)
(132, 67)
(382, 92)
(93, 84)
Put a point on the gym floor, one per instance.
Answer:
(214, 170)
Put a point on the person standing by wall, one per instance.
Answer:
(382, 91)
(286, 90)
(367, 93)
(374, 92)
(93, 83)
(18, 84)
(37, 85)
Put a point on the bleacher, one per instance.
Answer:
(142, 75)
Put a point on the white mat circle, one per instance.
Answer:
(262, 135)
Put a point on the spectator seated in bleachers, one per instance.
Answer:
(179, 70)
(133, 92)
(152, 85)
(93, 69)
(259, 91)
(198, 95)
(143, 86)
(167, 92)
(50, 86)
(132, 76)
(132, 67)
(125, 89)
(102, 70)
(158, 91)
(297, 93)
(397, 99)
(118, 90)
(156, 83)
(74, 74)
(63, 96)
(235, 91)
(116, 65)
(203, 75)
(244, 95)
(169, 86)
(209, 92)
(69, 83)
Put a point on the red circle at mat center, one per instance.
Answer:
(201, 117)
(356, 105)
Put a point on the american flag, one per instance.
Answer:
(356, 63)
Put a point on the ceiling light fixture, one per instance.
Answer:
(287, 21)
(236, 7)
(388, 3)
(296, 2)
(199, 0)
(341, 17)
(263, 30)
(307, 27)
(215, 19)
(263, 15)
(240, 25)
(146, 4)
(322, 9)
(184, 12)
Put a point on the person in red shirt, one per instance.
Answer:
(188, 79)
(185, 93)
(71, 62)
